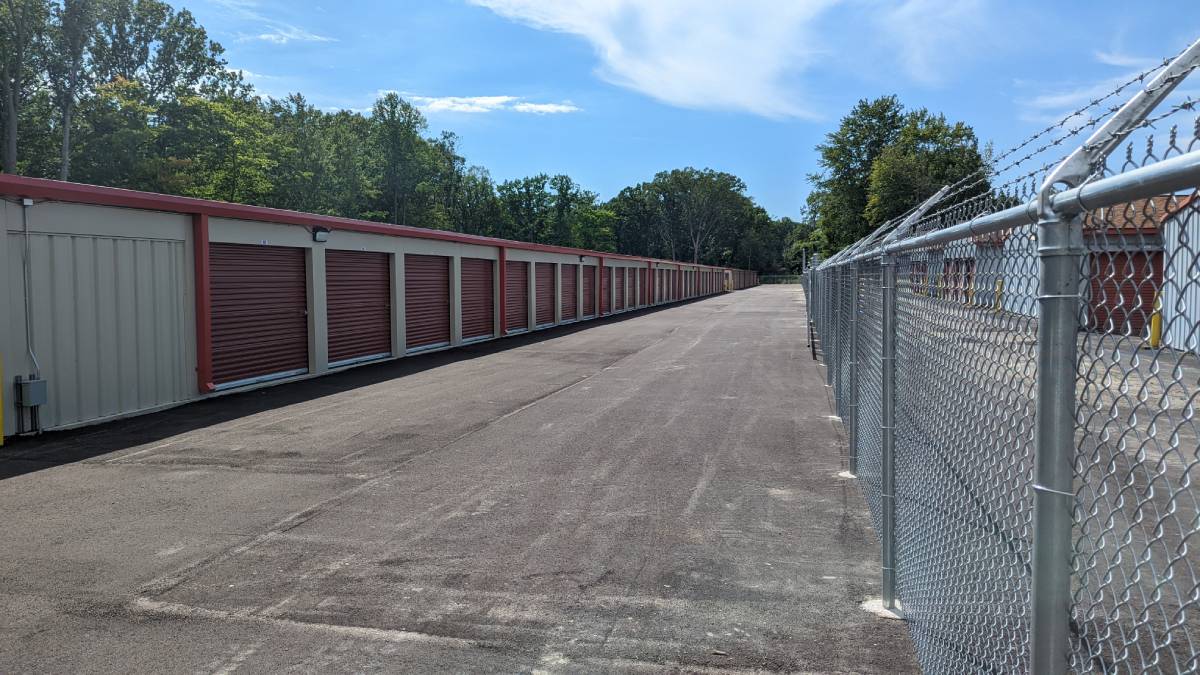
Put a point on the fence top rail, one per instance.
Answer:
(1165, 177)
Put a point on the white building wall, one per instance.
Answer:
(112, 316)
(1181, 281)
(1020, 271)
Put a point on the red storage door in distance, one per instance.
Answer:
(426, 300)
(544, 293)
(618, 289)
(358, 291)
(570, 294)
(478, 298)
(644, 287)
(516, 300)
(259, 312)
(589, 290)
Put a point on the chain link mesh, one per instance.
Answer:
(966, 346)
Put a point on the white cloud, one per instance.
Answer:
(1122, 60)
(462, 104)
(484, 104)
(930, 38)
(691, 53)
(281, 34)
(274, 31)
(546, 108)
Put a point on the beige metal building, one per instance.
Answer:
(117, 302)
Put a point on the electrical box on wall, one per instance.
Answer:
(31, 393)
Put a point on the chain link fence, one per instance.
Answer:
(1017, 365)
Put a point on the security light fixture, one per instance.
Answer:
(320, 234)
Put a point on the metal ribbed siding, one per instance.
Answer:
(478, 298)
(570, 299)
(426, 300)
(259, 311)
(618, 289)
(589, 290)
(358, 291)
(544, 294)
(516, 290)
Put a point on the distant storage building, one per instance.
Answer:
(115, 302)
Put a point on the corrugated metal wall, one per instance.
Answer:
(516, 291)
(544, 295)
(109, 329)
(570, 294)
(259, 312)
(1181, 286)
(478, 298)
(358, 292)
(426, 300)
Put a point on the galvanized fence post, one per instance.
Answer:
(1060, 248)
(888, 431)
(851, 421)
(831, 311)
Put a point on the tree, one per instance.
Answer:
(637, 214)
(927, 154)
(706, 202)
(70, 37)
(125, 37)
(398, 126)
(22, 26)
(526, 206)
(838, 201)
(301, 170)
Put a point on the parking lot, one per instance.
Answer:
(656, 491)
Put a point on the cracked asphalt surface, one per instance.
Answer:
(653, 492)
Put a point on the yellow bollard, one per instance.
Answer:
(1156, 322)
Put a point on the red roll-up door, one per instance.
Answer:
(589, 290)
(1122, 289)
(570, 292)
(478, 298)
(426, 300)
(605, 289)
(641, 287)
(358, 293)
(544, 293)
(618, 289)
(259, 312)
(516, 291)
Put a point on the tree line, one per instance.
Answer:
(135, 94)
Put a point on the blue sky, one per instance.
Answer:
(612, 91)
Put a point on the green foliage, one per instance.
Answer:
(878, 164)
(134, 94)
(927, 154)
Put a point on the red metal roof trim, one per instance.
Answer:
(79, 193)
